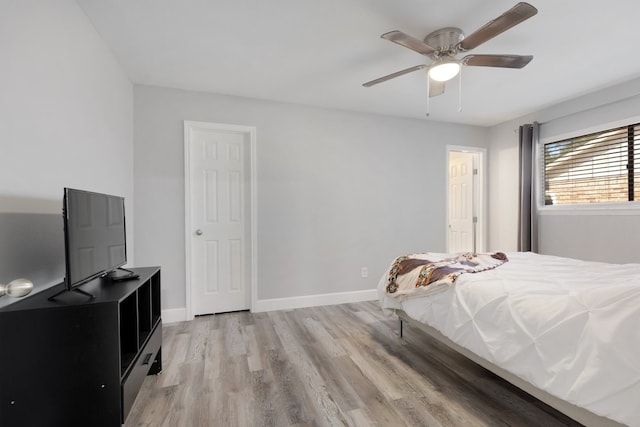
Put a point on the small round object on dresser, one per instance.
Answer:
(17, 288)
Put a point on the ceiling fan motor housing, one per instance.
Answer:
(445, 41)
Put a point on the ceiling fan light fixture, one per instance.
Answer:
(445, 70)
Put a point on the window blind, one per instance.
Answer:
(602, 167)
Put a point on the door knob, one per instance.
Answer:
(198, 232)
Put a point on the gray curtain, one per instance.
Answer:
(528, 216)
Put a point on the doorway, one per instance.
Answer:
(220, 219)
(465, 199)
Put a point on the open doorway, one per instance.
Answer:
(465, 199)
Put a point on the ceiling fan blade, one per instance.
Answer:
(520, 12)
(407, 41)
(394, 75)
(503, 61)
(435, 88)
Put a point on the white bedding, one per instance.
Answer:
(569, 327)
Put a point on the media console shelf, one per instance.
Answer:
(75, 361)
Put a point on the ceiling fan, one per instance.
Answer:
(443, 45)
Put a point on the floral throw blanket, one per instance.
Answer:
(419, 274)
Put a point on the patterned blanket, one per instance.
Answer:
(418, 274)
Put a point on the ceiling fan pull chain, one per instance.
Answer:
(428, 91)
(460, 91)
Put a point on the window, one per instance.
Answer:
(602, 167)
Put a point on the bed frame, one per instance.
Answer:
(579, 414)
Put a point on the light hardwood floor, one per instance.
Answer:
(341, 365)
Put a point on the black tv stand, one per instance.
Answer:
(80, 362)
(78, 290)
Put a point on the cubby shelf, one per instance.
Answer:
(75, 361)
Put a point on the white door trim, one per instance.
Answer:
(480, 191)
(251, 132)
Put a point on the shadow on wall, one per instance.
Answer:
(31, 243)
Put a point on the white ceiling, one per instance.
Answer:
(319, 52)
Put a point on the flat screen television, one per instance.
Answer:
(95, 236)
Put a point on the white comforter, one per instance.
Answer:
(569, 327)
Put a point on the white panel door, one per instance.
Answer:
(461, 210)
(218, 218)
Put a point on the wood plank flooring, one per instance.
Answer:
(341, 365)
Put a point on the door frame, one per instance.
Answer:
(250, 131)
(479, 191)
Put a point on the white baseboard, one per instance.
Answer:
(173, 315)
(274, 304)
(180, 314)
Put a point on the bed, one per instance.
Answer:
(564, 330)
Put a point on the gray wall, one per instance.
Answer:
(337, 191)
(66, 120)
(597, 234)
(31, 243)
(598, 237)
(503, 186)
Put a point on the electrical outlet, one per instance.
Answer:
(364, 272)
